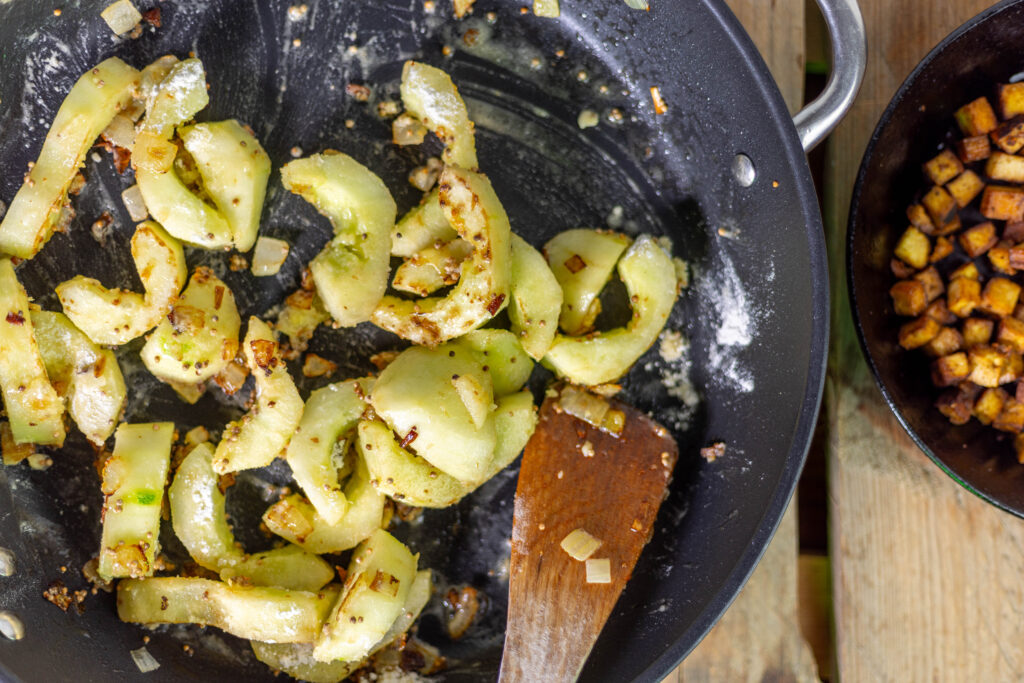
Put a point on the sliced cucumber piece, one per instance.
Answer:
(536, 299)
(583, 261)
(429, 94)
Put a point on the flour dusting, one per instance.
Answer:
(725, 302)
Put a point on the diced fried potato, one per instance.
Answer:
(932, 282)
(920, 219)
(947, 341)
(987, 364)
(1015, 256)
(965, 187)
(940, 313)
(963, 295)
(941, 207)
(1000, 202)
(968, 270)
(956, 404)
(914, 248)
(1013, 231)
(1010, 99)
(1005, 167)
(950, 370)
(900, 269)
(1011, 417)
(1009, 135)
(974, 148)
(977, 331)
(943, 167)
(976, 118)
(909, 297)
(943, 248)
(1000, 296)
(1011, 333)
(918, 332)
(989, 405)
(999, 257)
(1014, 366)
(978, 239)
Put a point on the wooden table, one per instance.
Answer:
(927, 581)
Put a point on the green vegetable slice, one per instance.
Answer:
(501, 353)
(133, 485)
(266, 614)
(116, 316)
(536, 299)
(380, 575)
(199, 336)
(432, 268)
(93, 102)
(424, 225)
(472, 208)
(330, 414)
(582, 262)
(261, 434)
(351, 273)
(429, 95)
(85, 374)
(650, 279)
(34, 408)
(288, 567)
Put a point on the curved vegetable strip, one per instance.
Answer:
(536, 299)
(515, 419)
(473, 209)
(199, 336)
(116, 316)
(86, 374)
(294, 519)
(329, 415)
(351, 273)
(649, 276)
(503, 357)
(33, 407)
(133, 485)
(429, 95)
(261, 434)
(432, 268)
(288, 567)
(95, 99)
(234, 168)
(267, 614)
(423, 226)
(380, 575)
(582, 262)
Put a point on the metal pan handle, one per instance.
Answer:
(849, 56)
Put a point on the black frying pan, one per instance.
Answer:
(966, 65)
(756, 313)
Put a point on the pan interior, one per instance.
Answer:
(753, 317)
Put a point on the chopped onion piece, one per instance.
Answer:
(584, 405)
(546, 8)
(406, 130)
(659, 103)
(145, 661)
(269, 256)
(121, 132)
(588, 118)
(132, 198)
(121, 17)
(580, 545)
(599, 570)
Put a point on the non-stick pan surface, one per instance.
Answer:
(966, 65)
(755, 313)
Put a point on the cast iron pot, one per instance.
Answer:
(966, 65)
(756, 313)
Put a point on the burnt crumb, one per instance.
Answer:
(713, 452)
(15, 317)
(152, 17)
(360, 93)
(237, 263)
(460, 607)
(410, 437)
(59, 595)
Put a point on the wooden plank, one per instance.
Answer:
(759, 637)
(926, 577)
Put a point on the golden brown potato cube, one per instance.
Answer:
(939, 312)
(989, 404)
(943, 167)
(918, 332)
(965, 187)
(1013, 231)
(963, 295)
(1016, 256)
(1005, 167)
(1000, 296)
(987, 365)
(1009, 135)
(932, 281)
(909, 297)
(943, 248)
(974, 148)
(1011, 417)
(1011, 333)
(1014, 366)
(978, 239)
(976, 118)
(968, 270)
(947, 341)
(999, 257)
(956, 404)
(976, 331)
(1010, 98)
(941, 207)
(913, 248)
(901, 269)
(919, 218)
(950, 370)
(1002, 203)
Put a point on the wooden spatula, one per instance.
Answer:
(575, 475)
